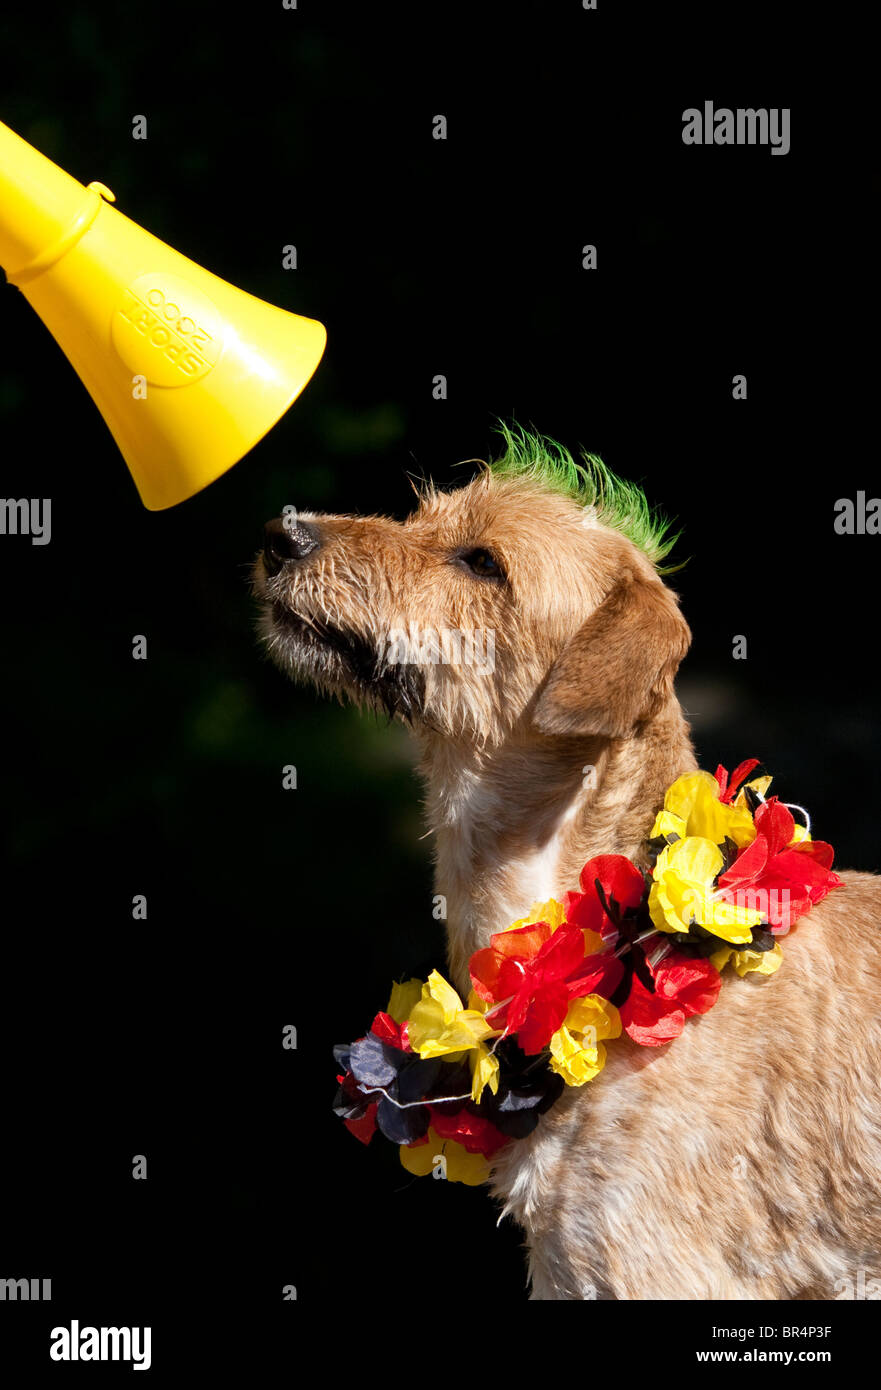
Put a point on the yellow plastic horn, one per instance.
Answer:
(188, 371)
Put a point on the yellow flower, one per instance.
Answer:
(438, 1026)
(761, 785)
(758, 784)
(692, 807)
(683, 893)
(438, 1023)
(402, 999)
(484, 1072)
(577, 1052)
(459, 1165)
(484, 1064)
(668, 824)
(764, 962)
(550, 912)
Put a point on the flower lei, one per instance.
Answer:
(731, 871)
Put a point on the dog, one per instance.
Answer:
(743, 1161)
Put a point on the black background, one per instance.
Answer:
(266, 908)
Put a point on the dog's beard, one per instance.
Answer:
(342, 663)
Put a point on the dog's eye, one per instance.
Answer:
(484, 563)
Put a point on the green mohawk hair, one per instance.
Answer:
(616, 502)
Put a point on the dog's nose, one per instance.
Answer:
(283, 542)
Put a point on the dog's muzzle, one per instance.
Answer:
(285, 544)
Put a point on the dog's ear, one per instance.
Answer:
(619, 667)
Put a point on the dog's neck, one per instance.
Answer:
(515, 824)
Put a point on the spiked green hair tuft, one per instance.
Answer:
(617, 503)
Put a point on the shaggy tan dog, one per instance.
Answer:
(744, 1160)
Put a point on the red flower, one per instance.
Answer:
(618, 878)
(356, 1111)
(365, 1127)
(531, 975)
(395, 1034)
(728, 790)
(683, 986)
(777, 878)
(358, 1115)
(476, 1134)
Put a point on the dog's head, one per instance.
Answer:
(505, 603)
